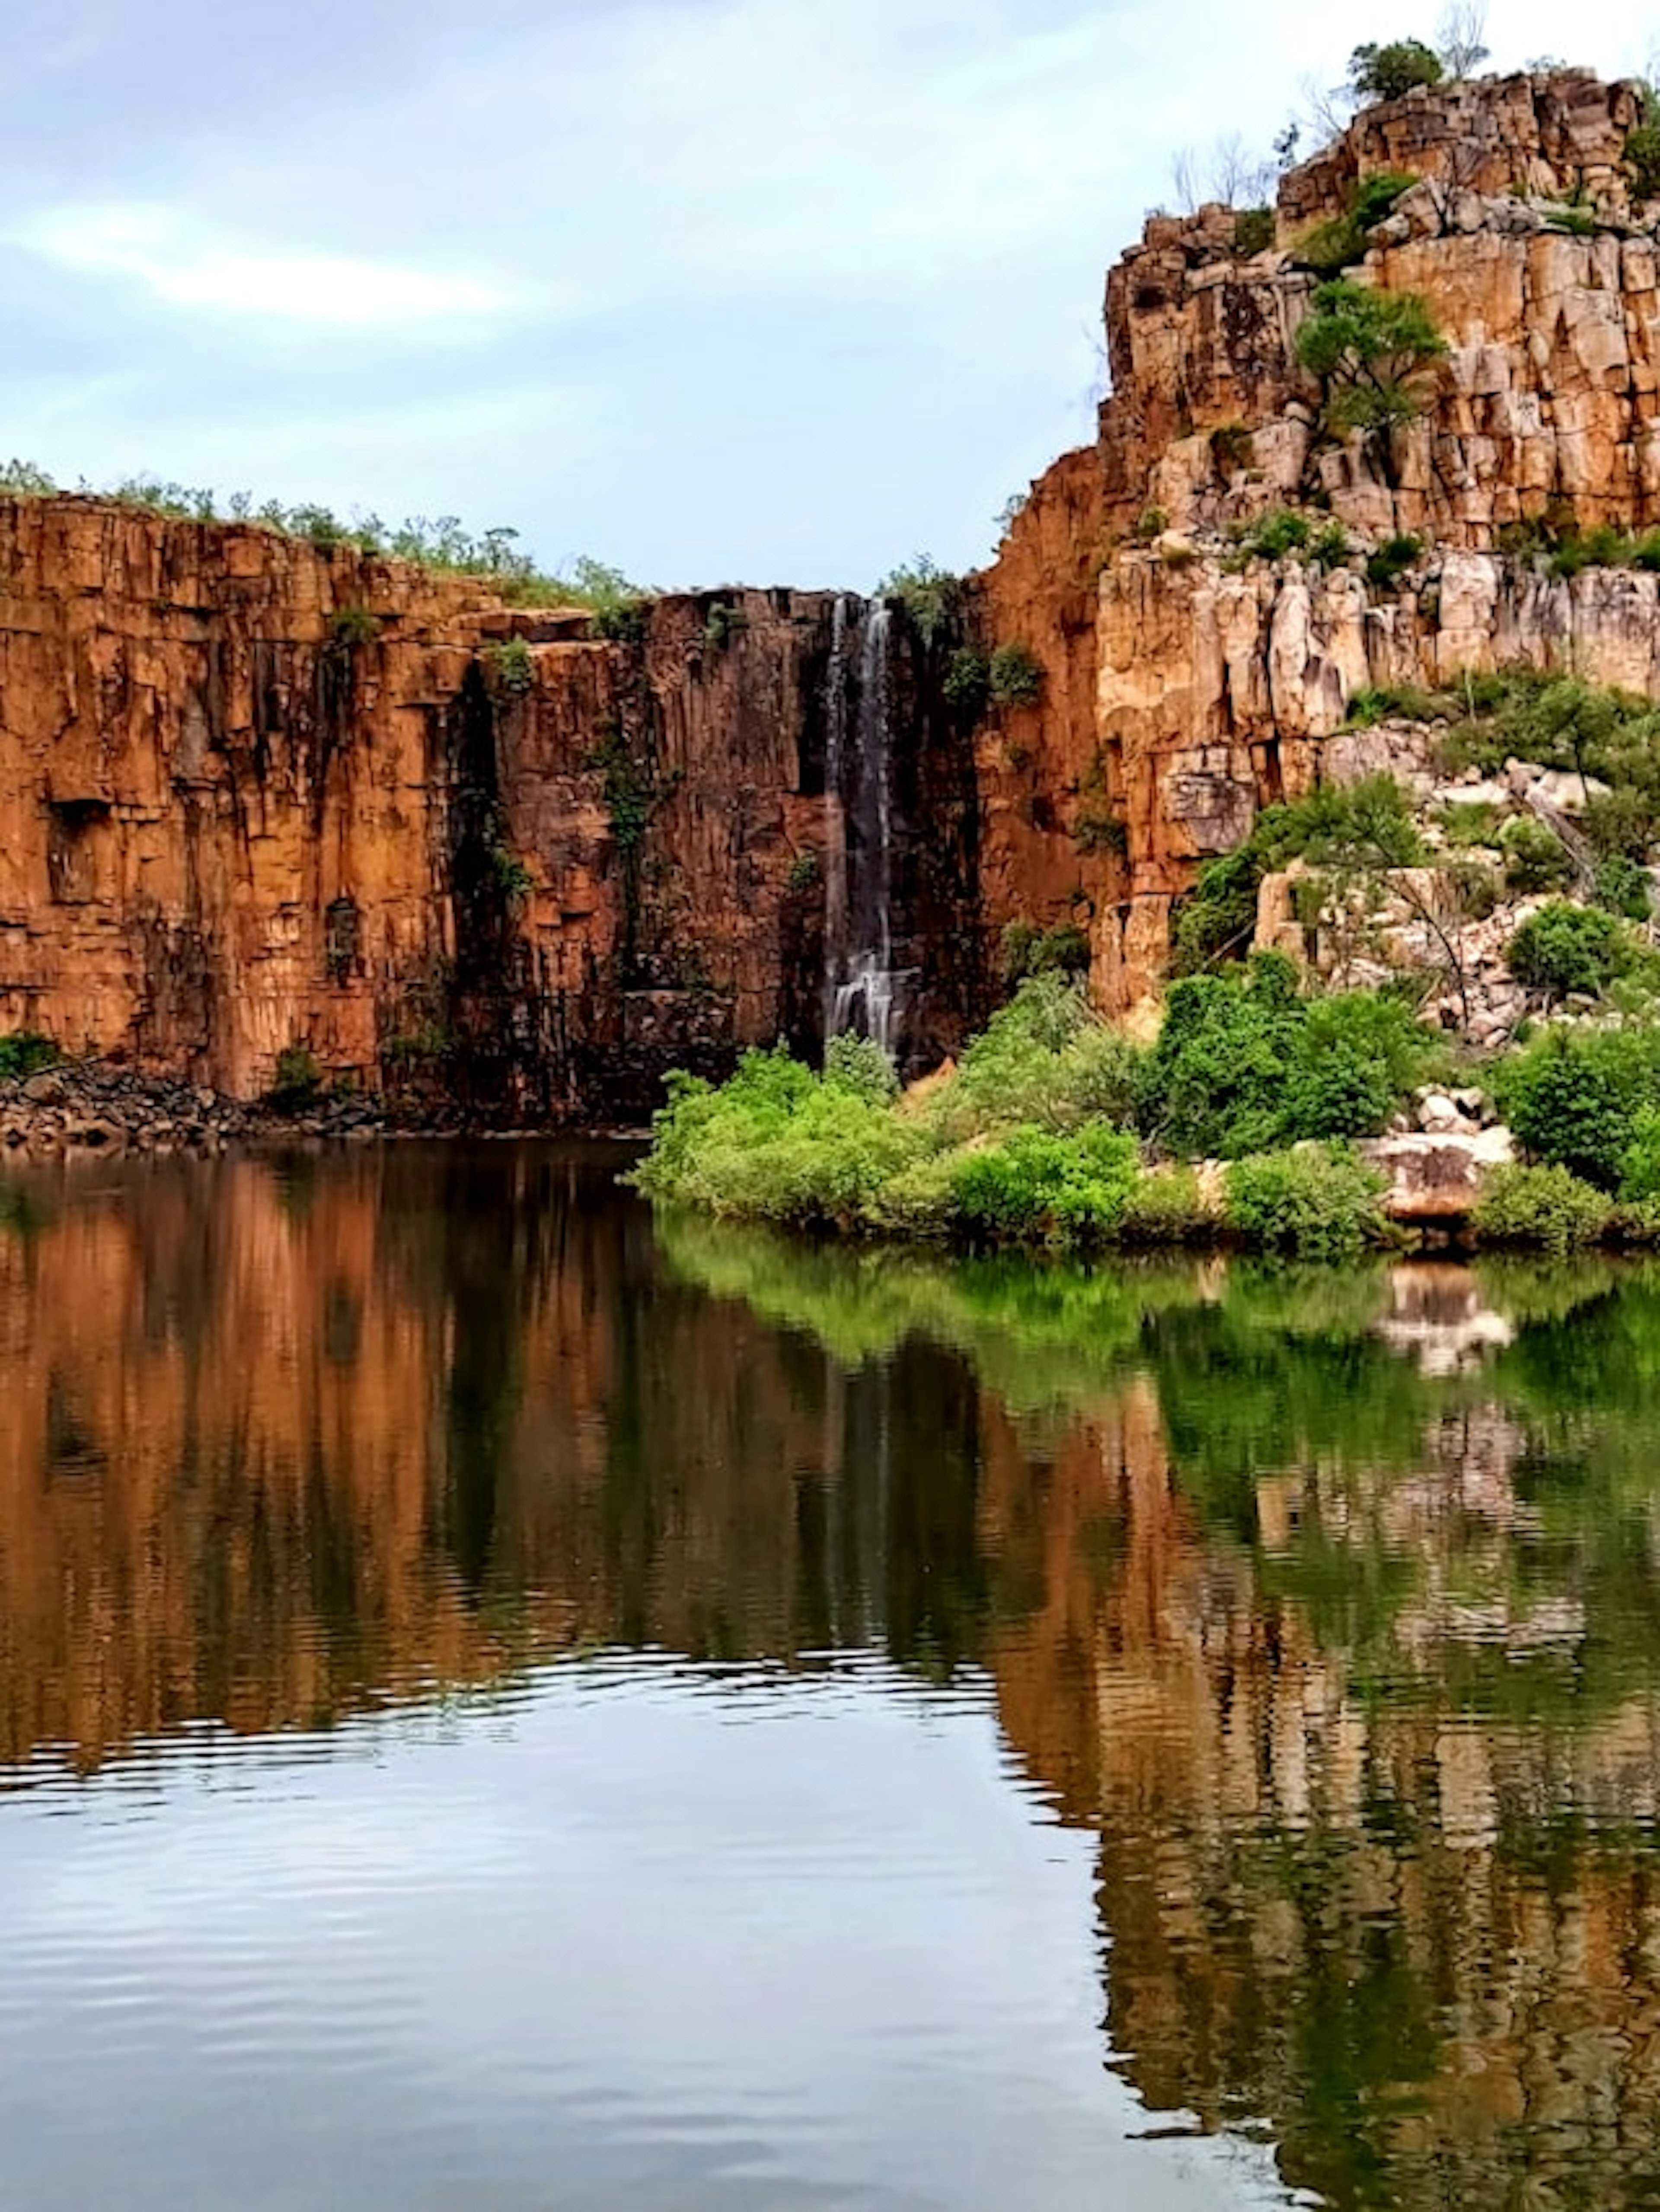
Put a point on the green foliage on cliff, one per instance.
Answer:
(1366, 829)
(1643, 158)
(1372, 351)
(1244, 1063)
(1331, 248)
(929, 594)
(24, 1052)
(1391, 71)
(1564, 949)
(1016, 677)
(443, 544)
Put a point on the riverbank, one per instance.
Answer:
(1261, 1117)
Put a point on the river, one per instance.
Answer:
(508, 1704)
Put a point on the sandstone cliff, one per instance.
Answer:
(1219, 675)
(259, 796)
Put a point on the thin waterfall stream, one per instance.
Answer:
(863, 991)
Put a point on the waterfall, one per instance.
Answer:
(863, 992)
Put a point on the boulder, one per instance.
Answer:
(1436, 1181)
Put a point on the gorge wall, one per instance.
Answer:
(259, 796)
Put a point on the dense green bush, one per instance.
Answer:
(1565, 948)
(929, 594)
(1643, 156)
(966, 683)
(860, 1065)
(513, 665)
(1043, 1059)
(1574, 1095)
(1361, 831)
(1547, 1208)
(1391, 71)
(1035, 1187)
(1243, 1064)
(298, 1083)
(1390, 561)
(1025, 951)
(1622, 888)
(1320, 1202)
(1253, 231)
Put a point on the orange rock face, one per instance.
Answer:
(257, 795)
(1219, 677)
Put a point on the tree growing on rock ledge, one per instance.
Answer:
(1389, 72)
(1374, 353)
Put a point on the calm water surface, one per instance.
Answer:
(505, 1706)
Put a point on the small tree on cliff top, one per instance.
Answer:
(1373, 353)
(1388, 72)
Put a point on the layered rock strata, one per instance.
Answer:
(1222, 677)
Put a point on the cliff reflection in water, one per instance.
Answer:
(1329, 1604)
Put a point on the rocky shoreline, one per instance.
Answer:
(97, 1109)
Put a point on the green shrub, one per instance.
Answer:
(1319, 1202)
(861, 1066)
(1390, 561)
(1639, 1170)
(624, 622)
(1390, 71)
(1332, 246)
(929, 594)
(24, 1052)
(1243, 1064)
(1621, 823)
(1329, 547)
(1363, 830)
(1152, 522)
(1573, 1097)
(1565, 948)
(1622, 888)
(1046, 1058)
(803, 874)
(1643, 158)
(1278, 534)
(511, 875)
(1253, 231)
(299, 1080)
(1544, 1207)
(1025, 950)
(1535, 859)
(1166, 1206)
(723, 625)
(512, 665)
(966, 684)
(1016, 677)
(1035, 1186)
(353, 626)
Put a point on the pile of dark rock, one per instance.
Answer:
(93, 1107)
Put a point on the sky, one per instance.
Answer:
(768, 291)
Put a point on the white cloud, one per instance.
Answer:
(174, 257)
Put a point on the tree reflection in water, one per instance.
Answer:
(1328, 1602)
